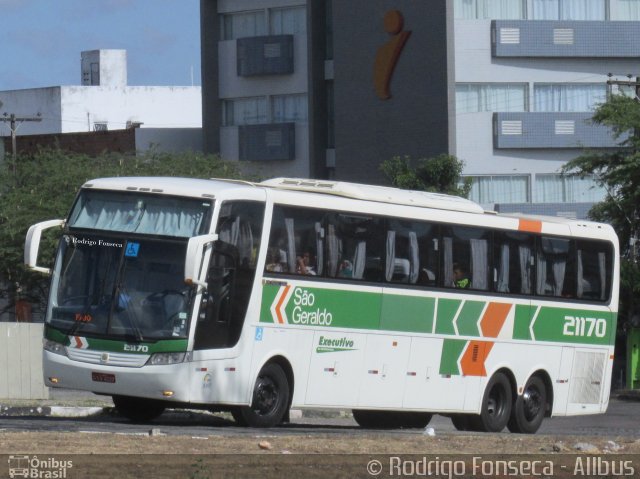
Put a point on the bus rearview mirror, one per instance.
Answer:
(32, 244)
(195, 257)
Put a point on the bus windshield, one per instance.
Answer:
(140, 213)
(120, 287)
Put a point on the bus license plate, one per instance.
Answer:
(103, 377)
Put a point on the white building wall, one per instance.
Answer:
(29, 103)
(153, 106)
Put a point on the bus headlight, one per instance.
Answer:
(158, 359)
(53, 347)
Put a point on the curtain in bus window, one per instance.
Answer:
(479, 264)
(524, 253)
(245, 244)
(448, 261)
(319, 248)
(559, 267)
(602, 266)
(333, 247)
(541, 275)
(414, 257)
(230, 231)
(503, 270)
(391, 256)
(580, 274)
(359, 259)
(291, 245)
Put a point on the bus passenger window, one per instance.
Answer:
(553, 266)
(296, 242)
(512, 254)
(468, 248)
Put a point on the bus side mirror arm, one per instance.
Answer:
(193, 265)
(32, 244)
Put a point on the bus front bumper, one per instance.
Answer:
(166, 382)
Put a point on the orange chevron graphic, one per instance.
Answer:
(474, 357)
(280, 302)
(493, 319)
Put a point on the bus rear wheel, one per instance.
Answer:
(391, 419)
(270, 402)
(138, 409)
(496, 405)
(529, 408)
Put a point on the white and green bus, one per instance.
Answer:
(257, 297)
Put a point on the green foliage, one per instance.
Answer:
(619, 172)
(44, 186)
(441, 174)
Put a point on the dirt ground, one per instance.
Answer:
(319, 455)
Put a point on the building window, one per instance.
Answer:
(557, 188)
(285, 108)
(626, 10)
(568, 10)
(244, 111)
(475, 97)
(288, 21)
(489, 9)
(500, 189)
(243, 24)
(568, 97)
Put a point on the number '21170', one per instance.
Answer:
(576, 326)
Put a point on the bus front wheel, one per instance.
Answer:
(138, 409)
(496, 405)
(270, 399)
(529, 408)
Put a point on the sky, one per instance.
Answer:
(41, 40)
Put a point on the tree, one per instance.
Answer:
(619, 172)
(441, 174)
(44, 186)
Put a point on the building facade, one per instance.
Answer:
(329, 89)
(103, 101)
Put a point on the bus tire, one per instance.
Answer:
(369, 419)
(529, 408)
(138, 409)
(496, 405)
(270, 401)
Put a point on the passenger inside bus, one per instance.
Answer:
(305, 264)
(460, 276)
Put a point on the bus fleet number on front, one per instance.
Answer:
(576, 326)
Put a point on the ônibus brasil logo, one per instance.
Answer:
(304, 309)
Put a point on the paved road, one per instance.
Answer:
(622, 419)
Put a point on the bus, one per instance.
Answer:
(253, 298)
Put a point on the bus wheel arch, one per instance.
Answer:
(533, 405)
(271, 396)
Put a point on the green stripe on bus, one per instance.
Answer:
(447, 309)
(469, 317)
(522, 321)
(118, 346)
(407, 313)
(571, 325)
(373, 310)
(451, 352)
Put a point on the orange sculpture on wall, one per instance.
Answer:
(388, 54)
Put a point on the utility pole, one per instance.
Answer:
(13, 121)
